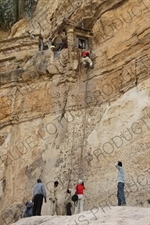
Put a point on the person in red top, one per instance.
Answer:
(80, 192)
(85, 54)
(86, 60)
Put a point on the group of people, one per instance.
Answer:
(34, 207)
(57, 44)
(61, 43)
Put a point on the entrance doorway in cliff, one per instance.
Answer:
(81, 42)
(83, 38)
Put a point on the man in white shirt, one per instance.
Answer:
(54, 207)
(121, 183)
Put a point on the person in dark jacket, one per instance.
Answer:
(67, 202)
(39, 193)
(29, 209)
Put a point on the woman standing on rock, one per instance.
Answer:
(80, 192)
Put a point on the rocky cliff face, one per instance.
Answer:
(61, 121)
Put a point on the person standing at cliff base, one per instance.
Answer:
(79, 191)
(39, 193)
(67, 203)
(121, 183)
(54, 208)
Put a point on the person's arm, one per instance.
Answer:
(76, 189)
(116, 165)
(33, 194)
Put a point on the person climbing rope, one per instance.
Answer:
(86, 60)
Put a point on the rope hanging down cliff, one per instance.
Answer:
(84, 127)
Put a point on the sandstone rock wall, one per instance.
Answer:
(13, 52)
(62, 121)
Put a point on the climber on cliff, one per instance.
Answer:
(54, 208)
(121, 183)
(39, 193)
(86, 60)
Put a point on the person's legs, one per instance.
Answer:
(70, 206)
(35, 205)
(81, 203)
(52, 208)
(39, 205)
(121, 193)
(57, 209)
(81, 199)
(76, 207)
(119, 201)
(68, 209)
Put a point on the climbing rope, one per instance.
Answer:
(71, 164)
(84, 126)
